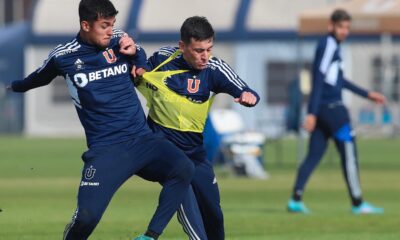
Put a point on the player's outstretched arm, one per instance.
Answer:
(378, 98)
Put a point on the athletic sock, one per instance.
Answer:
(152, 234)
(297, 195)
(356, 201)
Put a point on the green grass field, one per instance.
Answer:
(39, 179)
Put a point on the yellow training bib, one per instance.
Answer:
(168, 108)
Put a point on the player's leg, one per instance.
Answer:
(105, 170)
(206, 190)
(174, 170)
(316, 149)
(189, 217)
(346, 145)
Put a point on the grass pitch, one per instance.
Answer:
(39, 179)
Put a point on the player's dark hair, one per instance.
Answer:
(340, 15)
(92, 10)
(197, 28)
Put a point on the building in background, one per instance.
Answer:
(259, 39)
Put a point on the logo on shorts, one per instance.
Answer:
(89, 173)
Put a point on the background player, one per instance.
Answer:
(328, 117)
(196, 75)
(95, 66)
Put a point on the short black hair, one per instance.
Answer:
(340, 15)
(92, 10)
(198, 28)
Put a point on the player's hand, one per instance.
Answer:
(247, 99)
(377, 97)
(127, 45)
(310, 122)
(137, 72)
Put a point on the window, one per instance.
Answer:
(14, 10)
(280, 76)
(386, 69)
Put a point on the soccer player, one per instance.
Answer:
(328, 117)
(178, 110)
(96, 67)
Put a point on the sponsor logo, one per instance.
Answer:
(151, 86)
(79, 64)
(90, 184)
(82, 79)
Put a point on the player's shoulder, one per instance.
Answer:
(66, 48)
(166, 51)
(217, 64)
(327, 41)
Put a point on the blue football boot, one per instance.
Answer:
(297, 207)
(366, 208)
(143, 237)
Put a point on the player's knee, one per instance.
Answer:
(83, 224)
(344, 134)
(185, 171)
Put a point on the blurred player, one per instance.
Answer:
(328, 117)
(96, 66)
(178, 110)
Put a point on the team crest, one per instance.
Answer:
(193, 85)
(110, 56)
(89, 173)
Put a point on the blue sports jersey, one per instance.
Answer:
(328, 80)
(100, 85)
(198, 86)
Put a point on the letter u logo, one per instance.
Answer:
(110, 56)
(89, 173)
(191, 88)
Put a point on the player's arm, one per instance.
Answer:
(136, 54)
(225, 80)
(160, 56)
(139, 62)
(372, 95)
(38, 78)
(322, 60)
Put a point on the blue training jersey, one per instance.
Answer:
(328, 80)
(99, 82)
(198, 86)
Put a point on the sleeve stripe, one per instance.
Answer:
(60, 47)
(226, 75)
(233, 72)
(328, 55)
(167, 50)
(234, 76)
(229, 73)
